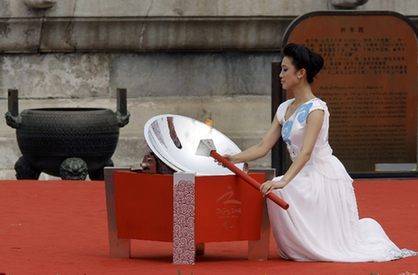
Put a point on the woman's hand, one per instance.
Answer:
(269, 186)
(227, 157)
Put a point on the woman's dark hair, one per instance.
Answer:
(304, 58)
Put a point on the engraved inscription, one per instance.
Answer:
(369, 83)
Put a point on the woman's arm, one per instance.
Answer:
(263, 147)
(313, 127)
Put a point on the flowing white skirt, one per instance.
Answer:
(322, 222)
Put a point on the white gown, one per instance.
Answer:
(322, 222)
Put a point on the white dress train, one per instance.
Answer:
(322, 222)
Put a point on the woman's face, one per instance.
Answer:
(288, 74)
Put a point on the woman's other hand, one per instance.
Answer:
(269, 186)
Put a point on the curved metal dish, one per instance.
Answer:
(174, 139)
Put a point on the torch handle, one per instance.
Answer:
(228, 164)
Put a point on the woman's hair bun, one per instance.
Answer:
(304, 58)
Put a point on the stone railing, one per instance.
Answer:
(42, 26)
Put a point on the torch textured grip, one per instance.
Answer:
(228, 164)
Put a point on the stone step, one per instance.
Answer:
(229, 114)
(244, 119)
(129, 152)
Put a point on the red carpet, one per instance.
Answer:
(59, 227)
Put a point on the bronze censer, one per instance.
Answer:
(70, 143)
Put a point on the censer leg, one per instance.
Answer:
(73, 169)
(25, 171)
(99, 173)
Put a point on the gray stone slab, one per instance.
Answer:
(14, 8)
(143, 34)
(223, 7)
(95, 8)
(161, 33)
(193, 74)
(19, 34)
(53, 75)
(63, 8)
(160, 25)
(238, 115)
(9, 152)
(130, 151)
(192, 7)
(98, 75)
(242, 118)
(7, 174)
(17, 8)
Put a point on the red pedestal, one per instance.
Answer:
(226, 208)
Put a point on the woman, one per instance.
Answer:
(322, 223)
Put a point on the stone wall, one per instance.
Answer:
(190, 57)
(233, 88)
